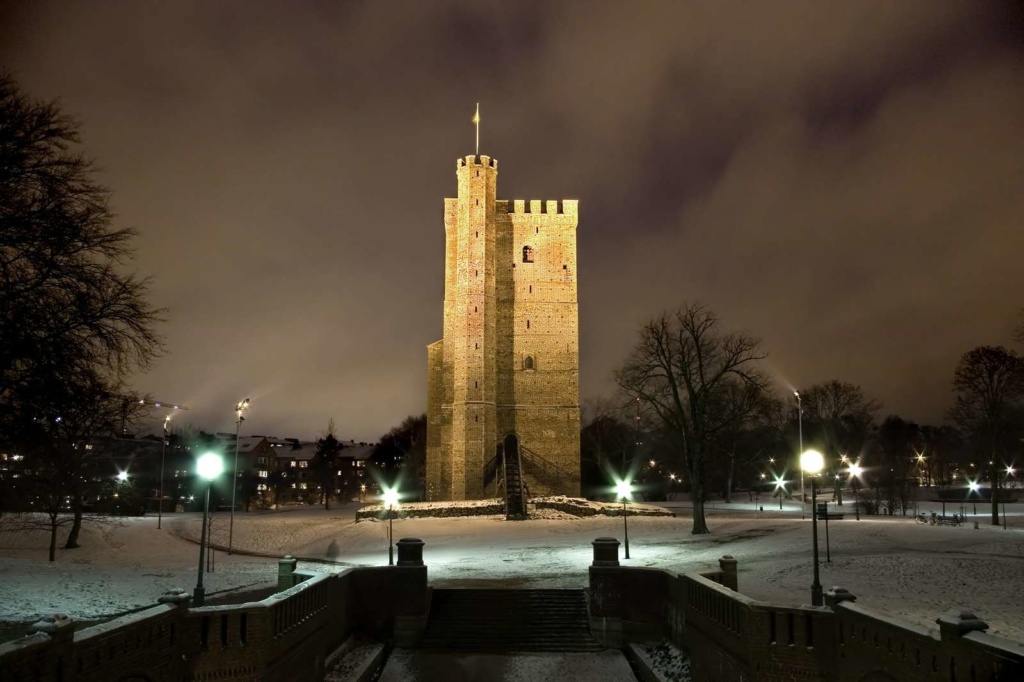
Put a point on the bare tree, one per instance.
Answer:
(988, 399)
(696, 381)
(328, 447)
(73, 325)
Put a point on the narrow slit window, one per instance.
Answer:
(527, 254)
(474, 309)
(528, 362)
(527, 324)
(477, 202)
(531, 288)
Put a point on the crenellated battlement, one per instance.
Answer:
(568, 207)
(471, 160)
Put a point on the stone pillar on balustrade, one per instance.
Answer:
(606, 587)
(729, 572)
(285, 570)
(412, 603)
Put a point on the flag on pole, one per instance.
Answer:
(476, 122)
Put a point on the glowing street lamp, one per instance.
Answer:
(1009, 472)
(812, 463)
(163, 461)
(240, 409)
(800, 418)
(209, 467)
(780, 488)
(122, 476)
(855, 472)
(972, 487)
(624, 490)
(390, 499)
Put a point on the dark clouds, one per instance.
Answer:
(842, 179)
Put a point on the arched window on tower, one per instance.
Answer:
(528, 362)
(527, 254)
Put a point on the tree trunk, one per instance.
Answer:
(53, 537)
(76, 527)
(700, 526)
(995, 498)
(728, 479)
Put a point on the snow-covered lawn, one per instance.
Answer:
(891, 563)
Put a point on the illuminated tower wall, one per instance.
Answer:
(509, 359)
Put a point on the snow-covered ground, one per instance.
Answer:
(892, 564)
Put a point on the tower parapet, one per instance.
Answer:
(568, 207)
(472, 160)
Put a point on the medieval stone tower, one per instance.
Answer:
(509, 360)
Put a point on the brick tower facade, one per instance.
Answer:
(509, 359)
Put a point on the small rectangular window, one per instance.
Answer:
(565, 267)
(477, 202)
(527, 324)
(531, 288)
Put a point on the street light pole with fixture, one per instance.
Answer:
(163, 464)
(623, 489)
(390, 497)
(812, 462)
(209, 467)
(239, 413)
(800, 421)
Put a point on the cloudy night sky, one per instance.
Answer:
(844, 180)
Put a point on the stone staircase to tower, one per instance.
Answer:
(515, 495)
(500, 620)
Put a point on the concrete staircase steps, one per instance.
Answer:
(509, 620)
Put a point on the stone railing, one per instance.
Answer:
(731, 637)
(288, 636)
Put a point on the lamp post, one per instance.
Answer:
(1009, 472)
(812, 462)
(390, 498)
(800, 421)
(972, 487)
(163, 464)
(623, 489)
(780, 488)
(855, 472)
(209, 467)
(239, 413)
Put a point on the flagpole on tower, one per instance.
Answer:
(476, 120)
